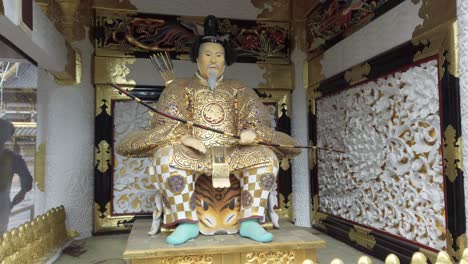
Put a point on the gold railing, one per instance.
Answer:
(35, 241)
(417, 258)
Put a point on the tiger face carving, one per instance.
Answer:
(217, 208)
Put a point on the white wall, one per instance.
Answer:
(46, 45)
(387, 31)
(66, 122)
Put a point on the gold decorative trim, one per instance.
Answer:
(202, 259)
(452, 48)
(35, 241)
(286, 210)
(276, 10)
(39, 167)
(70, 17)
(103, 156)
(277, 76)
(281, 97)
(104, 222)
(72, 233)
(113, 70)
(104, 96)
(314, 72)
(441, 41)
(317, 216)
(71, 75)
(443, 258)
(434, 13)
(361, 236)
(285, 164)
(392, 259)
(357, 73)
(419, 258)
(460, 244)
(364, 260)
(453, 155)
(280, 256)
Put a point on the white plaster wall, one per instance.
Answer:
(240, 9)
(462, 13)
(387, 31)
(11, 10)
(49, 40)
(69, 117)
(299, 127)
(46, 45)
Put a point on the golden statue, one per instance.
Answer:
(182, 153)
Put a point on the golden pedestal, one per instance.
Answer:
(290, 245)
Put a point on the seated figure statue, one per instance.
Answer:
(181, 153)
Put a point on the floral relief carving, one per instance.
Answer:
(202, 259)
(391, 175)
(133, 191)
(270, 257)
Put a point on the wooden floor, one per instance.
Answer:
(290, 245)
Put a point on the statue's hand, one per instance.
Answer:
(194, 143)
(247, 137)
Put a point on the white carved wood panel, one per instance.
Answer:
(133, 191)
(391, 175)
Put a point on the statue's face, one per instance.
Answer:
(211, 58)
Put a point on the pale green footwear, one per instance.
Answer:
(253, 230)
(183, 233)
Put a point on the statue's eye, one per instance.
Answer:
(204, 204)
(232, 204)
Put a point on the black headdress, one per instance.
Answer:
(211, 35)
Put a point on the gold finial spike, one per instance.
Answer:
(443, 258)
(336, 261)
(392, 259)
(364, 260)
(464, 259)
(418, 258)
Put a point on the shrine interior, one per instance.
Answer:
(370, 96)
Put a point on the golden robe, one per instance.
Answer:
(231, 107)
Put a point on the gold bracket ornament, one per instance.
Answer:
(453, 156)
(103, 155)
(361, 236)
(460, 243)
(317, 216)
(357, 73)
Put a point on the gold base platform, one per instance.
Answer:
(290, 245)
